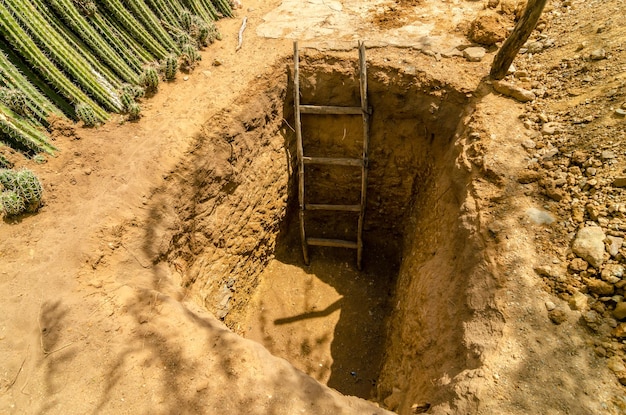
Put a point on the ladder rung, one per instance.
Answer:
(338, 243)
(333, 161)
(342, 208)
(330, 109)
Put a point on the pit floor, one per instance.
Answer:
(326, 318)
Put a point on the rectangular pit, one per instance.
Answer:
(390, 333)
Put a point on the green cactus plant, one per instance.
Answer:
(134, 111)
(189, 57)
(150, 79)
(87, 115)
(16, 100)
(127, 100)
(8, 179)
(170, 67)
(30, 189)
(12, 203)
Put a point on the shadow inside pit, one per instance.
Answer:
(362, 301)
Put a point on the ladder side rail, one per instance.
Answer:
(300, 148)
(366, 113)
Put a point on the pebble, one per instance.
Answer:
(557, 316)
(600, 287)
(550, 305)
(620, 311)
(589, 245)
(539, 216)
(550, 128)
(578, 301)
(620, 112)
(598, 54)
(619, 182)
(513, 91)
(614, 244)
(474, 53)
(534, 47)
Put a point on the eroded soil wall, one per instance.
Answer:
(237, 189)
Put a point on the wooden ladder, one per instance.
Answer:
(364, 110)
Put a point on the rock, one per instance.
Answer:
(513, 91)
(550, 305)
(539, 216)
(557, 316)
(579, 157)
(474, 54)
(528, 176)
(550, 128)
(452, 53)
(487, 29)
(612, 273)
(600, 287)
(578, 265)
(619, 182)
(578, 213)
(529, 144)
(554, 193)
(614, 245)
(597, 54)
(578, 301)
(616, 364)
(620, 330)
(620, 311)
(534, 47)
(589, 245)
(620, 112)
(550, 272)
(608, 154)
(592, 319)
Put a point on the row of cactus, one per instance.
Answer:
(77, 58)
(21, 192)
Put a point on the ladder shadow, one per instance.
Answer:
(358, 338)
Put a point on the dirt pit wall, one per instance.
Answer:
(237, 200)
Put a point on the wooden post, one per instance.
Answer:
(300, 148)
(519, 36)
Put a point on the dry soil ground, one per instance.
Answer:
(102, 311)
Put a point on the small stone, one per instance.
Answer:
(487, 29)
(620, 330)
(579, 157)
(186, 78)
(534, 47)
(578, 265)
(528, 176)
(614, 245)
(513, 91)
(452, 53)
(600, 287)
(620, 311)
(550, 128)
(557, 316)
(549, 271)
(589, 245)
(619, 182)
(539, 216)
(528, 144)
(616, 364)
(217, 62)
(578, 301)
(474, 53)
(612, 273)
(550, 305)
(608, 155)
(597, 54)
(620, 112)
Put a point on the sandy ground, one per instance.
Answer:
(93, 322)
